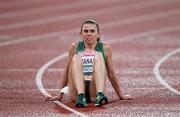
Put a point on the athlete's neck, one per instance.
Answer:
(90, 46)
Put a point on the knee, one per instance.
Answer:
(99, 62)
(76, 59)
(99, 58)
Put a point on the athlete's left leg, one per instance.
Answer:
(100, 74)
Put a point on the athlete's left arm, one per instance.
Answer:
(111, 73)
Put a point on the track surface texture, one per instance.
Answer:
(145, 39)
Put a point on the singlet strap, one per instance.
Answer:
(80, 47)
(100, 48)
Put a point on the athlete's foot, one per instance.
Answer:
(81, 101)
(101, 99)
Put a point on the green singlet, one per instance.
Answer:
(99, 48)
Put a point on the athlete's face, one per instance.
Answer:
(89, 33)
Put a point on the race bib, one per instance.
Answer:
(88, 59)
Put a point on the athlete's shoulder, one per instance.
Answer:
(108, 50)
(72, 48)
(72, 45)
(107, 46)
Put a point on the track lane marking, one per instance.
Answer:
(30, 70)
(147, 33)
(22, 2)
(52, 8)
(172, 28)
(68, 17)
(104, 25)
(157, 70)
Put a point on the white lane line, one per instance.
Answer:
(157, 71)
(52, 89)
(62, 56)
(21, 3)
(42, 89)
(147, 33)
(52, 8)
(73, 16)
(104, 25)
(143, 18)
(38, 37)
(30, 70)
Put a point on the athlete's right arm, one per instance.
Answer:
(72, 51)
(64, 81)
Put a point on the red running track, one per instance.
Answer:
(142, 33)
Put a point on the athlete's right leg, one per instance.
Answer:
(77, 73)
(76, 82)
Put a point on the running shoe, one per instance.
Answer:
(101, 99)
(81, 101)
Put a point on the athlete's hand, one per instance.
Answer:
(55, 98)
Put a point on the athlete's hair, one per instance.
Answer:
(90, 21)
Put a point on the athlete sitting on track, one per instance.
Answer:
(88, 63)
